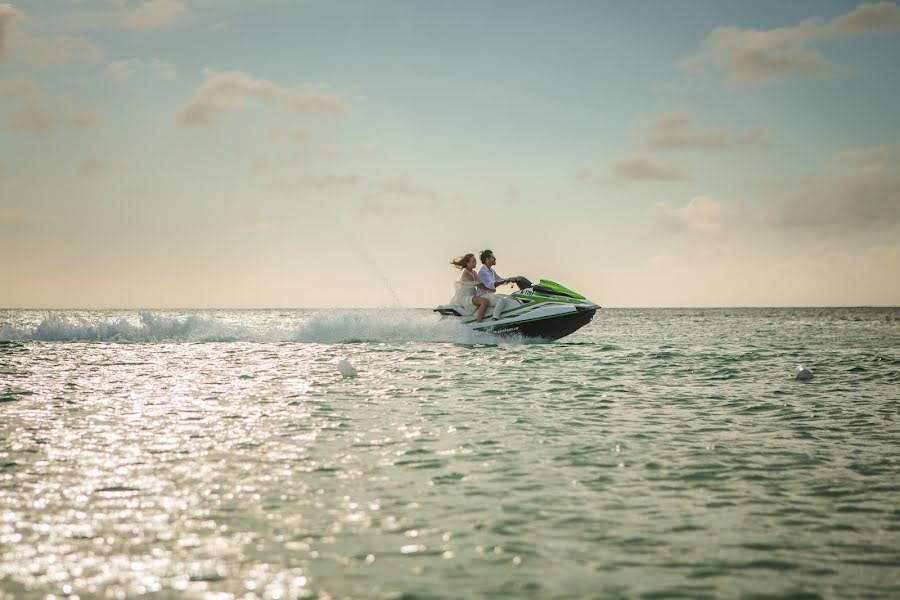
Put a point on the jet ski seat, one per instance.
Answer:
(455, 310)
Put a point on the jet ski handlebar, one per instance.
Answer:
(520, 281)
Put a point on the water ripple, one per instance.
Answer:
(653, 454)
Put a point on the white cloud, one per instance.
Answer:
(233, 89)
(53, 50)
(402, 186)
(862, 195)
(857, 201)
(643, 168)
(279, 132)
(155, 67)
(9, 16)
(871, 160)
(95, 166)
(755, 137)
(882, 17)
(33, 114)
(144, 16)
(155, 14)
(258, 225)
(865, 196)
(59, 50)
(678, 131)
(701, 214)
(400, 196)
(752, 57)
(322, 182)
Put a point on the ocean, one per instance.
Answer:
(656, 453)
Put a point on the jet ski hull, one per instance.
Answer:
(550, 328)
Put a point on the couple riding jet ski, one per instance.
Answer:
(547, 310)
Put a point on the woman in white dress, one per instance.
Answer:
(465, 287)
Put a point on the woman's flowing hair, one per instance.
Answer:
(462, 261)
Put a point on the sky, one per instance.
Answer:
(275, 153)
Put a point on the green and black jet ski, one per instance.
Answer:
(546, 310)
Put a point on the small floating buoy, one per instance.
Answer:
(346, 368)
(802, 373)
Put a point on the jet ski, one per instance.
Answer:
(546, 310)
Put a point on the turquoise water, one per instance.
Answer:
(653, 454)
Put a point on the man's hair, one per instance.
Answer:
(485, 254)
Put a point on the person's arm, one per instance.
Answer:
(486, 278)
(472, 277)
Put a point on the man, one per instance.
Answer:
(487, 288)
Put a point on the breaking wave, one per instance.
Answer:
(322, 326)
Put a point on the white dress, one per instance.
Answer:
(465, 291)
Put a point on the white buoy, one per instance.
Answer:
(802, 373)
(347, 369)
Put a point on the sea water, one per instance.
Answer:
(654, 453)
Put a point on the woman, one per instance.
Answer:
(465, 287)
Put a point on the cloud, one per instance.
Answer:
(15, 179)
(8, 215)
(585, 175)
(870, 160)
(757, 136)
(701, 214)
(155, 67)
(56, 50)
(678, 131)
(33, 115)
(402, 186)
(279, 132)
(883, 17)
(59, 50)
(643, 168)
(95, 166)
(400, 196)
(322, 182)
(9, 16)
(856, 201)
(155, 14)
(752, 57)
(233, 89)
(862, 195)
(145, 16)
(258, 225)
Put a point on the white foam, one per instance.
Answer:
(401, 325)
(322, 326)
(146, 327)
